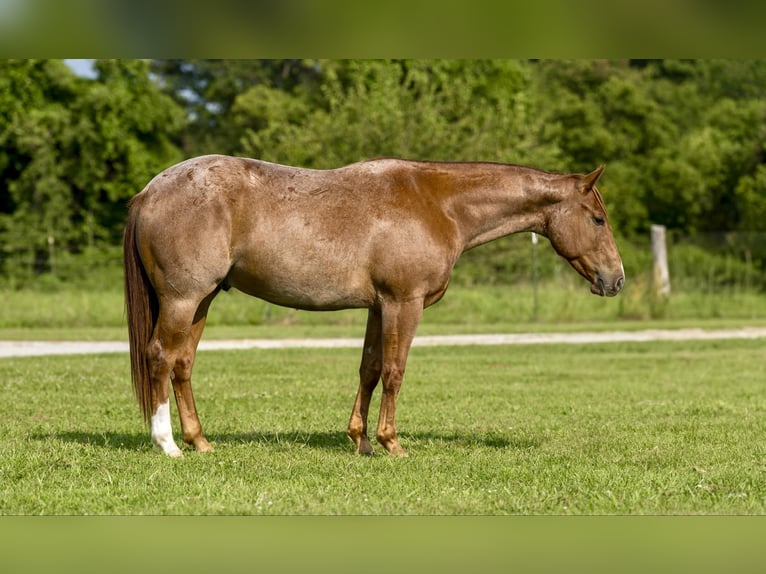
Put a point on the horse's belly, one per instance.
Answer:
(305, 286)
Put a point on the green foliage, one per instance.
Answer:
(418, 109)
(72, 152)
(209, 89)
(684, 141)
(679, 138)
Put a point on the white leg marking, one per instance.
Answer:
(162, 432)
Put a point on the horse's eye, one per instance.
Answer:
(598, 220)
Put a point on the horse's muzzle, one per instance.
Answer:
(607, 288)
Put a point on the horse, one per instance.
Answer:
(381, 234)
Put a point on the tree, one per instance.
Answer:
(684, 141)
(72, 151)
(126, 130)
(35, 116)
(421, 109)
(677, 136)
(207, 89)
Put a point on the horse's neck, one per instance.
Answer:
(501, 201)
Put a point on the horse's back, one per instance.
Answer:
(314, 239)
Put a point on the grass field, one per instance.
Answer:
(619, 428)
(564, 306)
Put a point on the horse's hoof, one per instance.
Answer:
(395, 449)
(168, 447)
(203, 446)
(365, 450)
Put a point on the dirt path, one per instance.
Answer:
(38, 348)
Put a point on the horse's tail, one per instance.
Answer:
(141, 309)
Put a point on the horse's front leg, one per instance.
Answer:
(369, 375)
(400, 321)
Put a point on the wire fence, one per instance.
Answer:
(704, 262)
(510, 281)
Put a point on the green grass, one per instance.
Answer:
(639, 428)
(563, 306)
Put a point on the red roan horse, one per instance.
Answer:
(382, 235)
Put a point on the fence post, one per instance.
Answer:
(661, 274)
(534, 276)
(51, 253)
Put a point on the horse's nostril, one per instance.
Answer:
(620, 282)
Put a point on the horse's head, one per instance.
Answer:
(579, 231)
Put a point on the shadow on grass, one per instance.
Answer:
(109, 440)
(320, 440)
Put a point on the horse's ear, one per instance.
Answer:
(588, 181)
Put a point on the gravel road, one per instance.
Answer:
(39, 348)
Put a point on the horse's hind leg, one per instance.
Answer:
(167, 345)
(187, 411)
(369, 375)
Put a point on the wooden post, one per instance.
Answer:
(52, 253)
(661, 274)
(534, 276)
